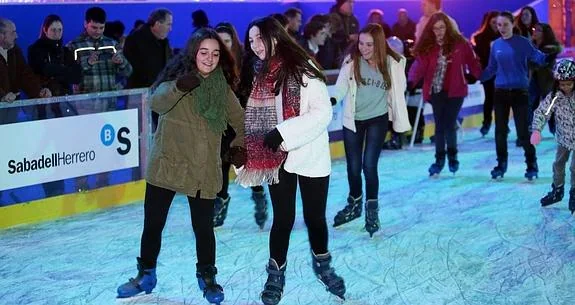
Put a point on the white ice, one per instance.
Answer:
(461, 239)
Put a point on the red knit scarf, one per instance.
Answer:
(262, 164)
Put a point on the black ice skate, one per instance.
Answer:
(274, 287)
(436, 167)
(221, 210)
(326, 274)
(532, 171)
(350, 212)
(452, 161)
(554, 196)
(261, 208)
(499, 171)
(371, 217)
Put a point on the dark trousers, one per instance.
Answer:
(489, 90)
(156, 206)
(445, 111)
(314, 200)
(505, 100)
(362, 149)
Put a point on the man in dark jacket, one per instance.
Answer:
(15, 74)
(148, 50)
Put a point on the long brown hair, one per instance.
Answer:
(296, 60)
(428, 40)
(185, 61)
(380, 51)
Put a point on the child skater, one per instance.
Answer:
(561, 102)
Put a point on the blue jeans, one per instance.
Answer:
(359, 156)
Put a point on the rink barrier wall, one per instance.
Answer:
(126, 191)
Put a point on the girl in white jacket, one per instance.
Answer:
(287, 115)
(372, 84)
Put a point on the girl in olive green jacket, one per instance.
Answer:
(194, 98)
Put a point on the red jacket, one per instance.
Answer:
(461, 59)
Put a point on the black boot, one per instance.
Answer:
(261, 208)
(371, 216)
(532, 170)
(499, 170)
(436, 167)
(554, 196)
(453, 163)
(326, 274)
(350, 212)
(206, 275)
(221, 210)
(572, 200)
(274, 287)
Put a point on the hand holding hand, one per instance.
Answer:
(273, 140)
(238, 156)
(187, 82)
(535, 137)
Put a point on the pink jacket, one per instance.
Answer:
(461, 59)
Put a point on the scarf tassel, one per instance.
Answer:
(257, 177)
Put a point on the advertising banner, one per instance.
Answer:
(49, 150)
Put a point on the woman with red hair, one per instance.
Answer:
(442, 58)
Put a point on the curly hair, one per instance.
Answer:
(380, 51)
(185, 61)
(428, 40)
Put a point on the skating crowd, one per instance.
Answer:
(262, 106)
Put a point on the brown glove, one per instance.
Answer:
(187, 82)
(238, 156)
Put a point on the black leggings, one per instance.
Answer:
(156, 206)
(314, 201)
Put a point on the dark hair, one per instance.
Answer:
(549, 37)
(228, 28)
(200, 19)
(292, 12)
(114, 29)
(48, 22)
(280, 18)
(158, 15)
(380, 52)
(427, 41)
(95, 14)
(485, 28)
(526, 30)
(296, 61)
(320, 18)
(509, 15)
(312, 28)
(185, 61)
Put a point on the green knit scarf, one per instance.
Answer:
(211, 100)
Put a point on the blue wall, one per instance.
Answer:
(28, 18)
